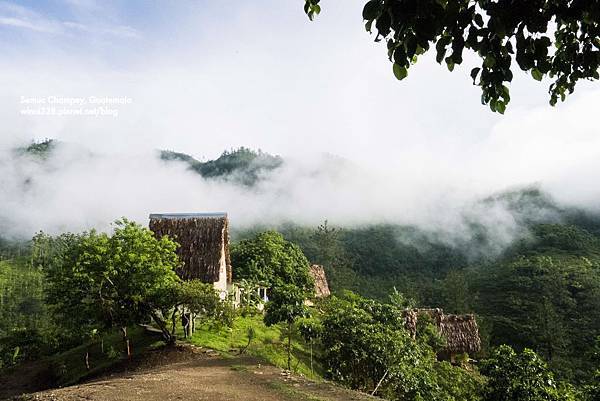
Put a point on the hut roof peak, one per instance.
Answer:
(187, 215)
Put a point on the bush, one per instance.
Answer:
(519, 377)
(22, 345)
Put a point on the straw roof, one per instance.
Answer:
(321, 287)
(203, 238)
(460, 331)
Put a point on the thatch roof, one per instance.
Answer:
(460, 331)
(203, 237)
(321, 287)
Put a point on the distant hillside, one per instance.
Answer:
(40, 149)
(242, 165)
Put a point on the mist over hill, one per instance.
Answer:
(56, 186)
(525, 263)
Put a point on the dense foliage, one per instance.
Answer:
(96, 282)
(270, 259)
(520, 377)
(366, 346)
(542, 292)
(554, 38)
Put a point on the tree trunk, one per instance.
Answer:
(162, 325)
(87, 359)
(126, 341)
(174, 321)
(311, 358)
(289, 347)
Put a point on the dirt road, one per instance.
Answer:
(201, 377)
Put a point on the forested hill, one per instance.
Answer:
(244, 166)
(239, 166)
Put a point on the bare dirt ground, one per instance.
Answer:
(193, 374)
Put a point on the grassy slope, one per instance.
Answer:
(268, 344)
(68, 367)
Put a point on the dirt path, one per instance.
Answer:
(202, 377)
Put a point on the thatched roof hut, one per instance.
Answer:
(204, 244)
(460, 331)
(321, 287)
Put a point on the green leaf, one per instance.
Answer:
(400, 72)
(371, 10)
(489, 61)
(478, 20)
(500, 107)
(505, 93)
(474, 73)
(368, 25)
(537, 74)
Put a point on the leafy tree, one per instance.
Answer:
(268, 258)
(311, 330)
(592, 391)
(330, 252)
(456, 292)
(366, 347)
(97, 281)
(554, 38)
(548, 302)
(286, 305)
(200, 300)
(519, 377)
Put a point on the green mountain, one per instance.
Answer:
(243, 166)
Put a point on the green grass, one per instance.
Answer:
(268, 344)
(292, 393)
(69, 367)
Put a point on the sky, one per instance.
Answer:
(204, 76)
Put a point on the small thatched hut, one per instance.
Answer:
(460, 331)
(204, 245)
(321, 287)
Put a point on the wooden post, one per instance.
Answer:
(126, 340)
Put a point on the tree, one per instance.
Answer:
(554, 38)
(330, 252)
(311, 330)
(269, 259)
(286, 305)
(519, 377)
(199, 299)
(366, 347)
(97, 281)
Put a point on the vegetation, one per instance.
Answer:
(242, 166)
(269, 259)
(366, 347)
(97, 282)
(41, 149)
(281, 266)
(550, 38)
(286, 305)
(540, 296)
(268, 343)
(520, 377)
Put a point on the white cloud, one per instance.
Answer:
(16, 16)
(424, 149)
